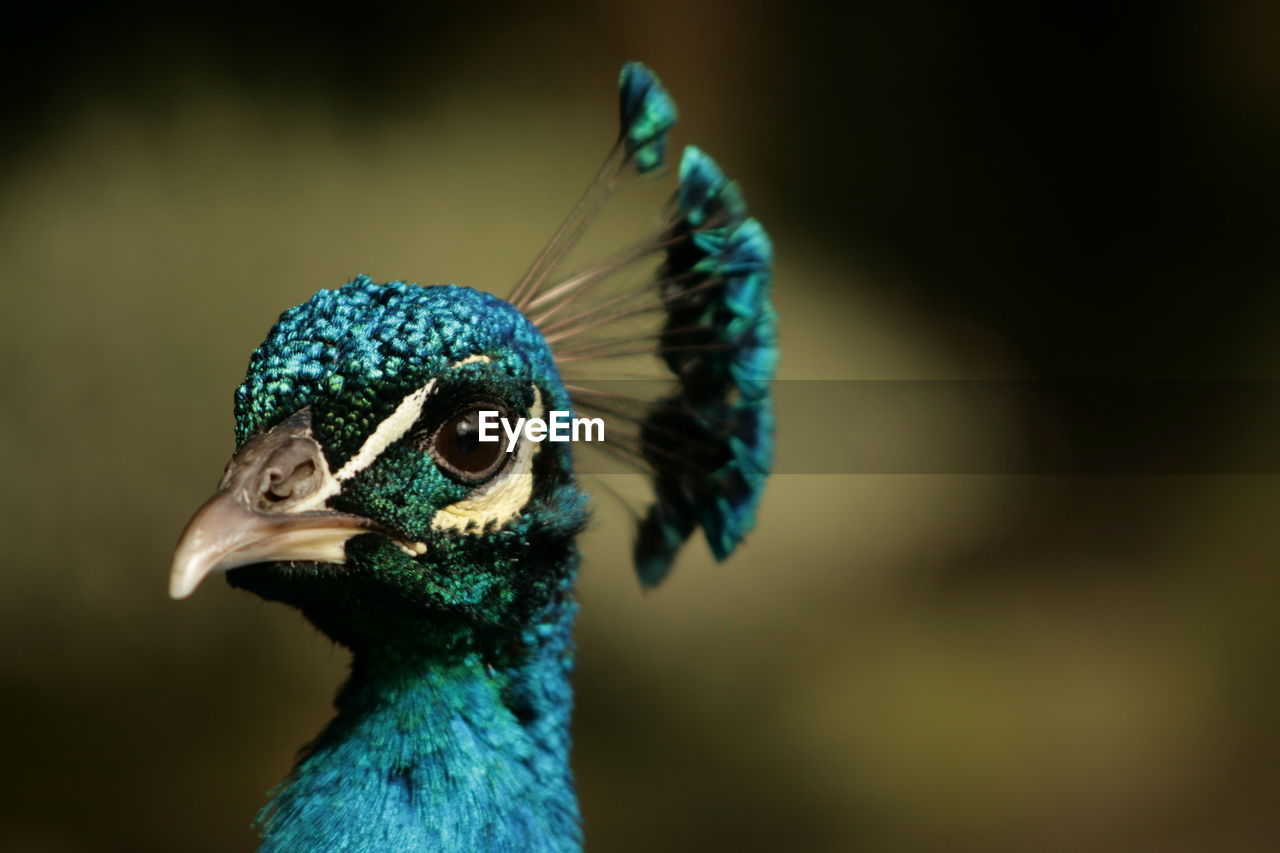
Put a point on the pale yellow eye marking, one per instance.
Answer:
(501, 499)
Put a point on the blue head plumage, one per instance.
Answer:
(358, 349)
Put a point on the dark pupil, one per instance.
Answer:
(467, 432)
(459, 444)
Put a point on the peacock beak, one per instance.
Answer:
(269, 508)
(224, 534)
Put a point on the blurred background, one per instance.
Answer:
(896, 661)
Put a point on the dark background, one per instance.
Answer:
(1013, 191)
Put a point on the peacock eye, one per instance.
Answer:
(456, 446)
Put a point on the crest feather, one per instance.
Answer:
(707, 443)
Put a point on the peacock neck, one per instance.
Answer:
(441, 752)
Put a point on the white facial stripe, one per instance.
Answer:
(499, 500)
(390, 430)
(396, 425)
(471, 359)
(394, 428)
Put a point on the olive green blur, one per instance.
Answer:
(893, 662)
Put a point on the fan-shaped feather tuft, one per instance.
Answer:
(708, 444)
(720, 340)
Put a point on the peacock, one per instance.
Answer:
(364, 492)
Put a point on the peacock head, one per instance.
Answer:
(360, 492)
(359, 489)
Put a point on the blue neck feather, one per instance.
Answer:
(440, 754)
